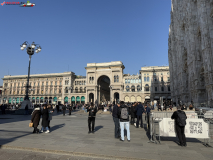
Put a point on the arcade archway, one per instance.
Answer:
(103, 93)
(91, 97)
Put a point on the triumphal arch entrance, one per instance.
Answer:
(104, 82)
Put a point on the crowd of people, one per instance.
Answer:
(124, 115)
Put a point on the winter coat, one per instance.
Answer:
(139, 110)
(36, 117)
(133, 113)
(45, 117)
(92, 114)
(115, 111)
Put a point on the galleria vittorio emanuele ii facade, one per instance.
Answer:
(191, 51)
(104, 82)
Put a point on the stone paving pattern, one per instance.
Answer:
(70, 134)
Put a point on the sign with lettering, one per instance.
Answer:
(195, 128)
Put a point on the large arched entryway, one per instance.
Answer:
(103, 93)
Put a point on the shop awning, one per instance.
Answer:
(82, 99)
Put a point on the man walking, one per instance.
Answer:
(116, 120)
(147, 111)
(124, 120)
(70, 109)
(180, 122)
(91, 119)
(139, 111)
(64, 109)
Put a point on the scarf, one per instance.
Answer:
(36, 109)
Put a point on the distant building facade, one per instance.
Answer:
(104, 82)
(191, 51)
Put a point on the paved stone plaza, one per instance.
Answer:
(69, 138)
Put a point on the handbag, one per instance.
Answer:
(31, 124)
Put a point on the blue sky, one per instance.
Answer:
(73, 33)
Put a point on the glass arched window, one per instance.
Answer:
(147, 79)
(125, 80)
(139, 80)
(138, 88)
(136, 80)
(128, 80)
(127, 88)
(76, 90)
(144, 79)
(133, 88)
(114, 78)
(117, 78)
(146, 87)
(133, 80)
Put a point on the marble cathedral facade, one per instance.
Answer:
(191, 51)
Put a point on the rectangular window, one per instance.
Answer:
(56, 82)
(147, 79)
(42, 83)
(51, 83)
(162, 89)
(60, 83)
(168, 79)
(128, 80)
(156, 89)
(139, 80)
(47, 83)
(38, 84)
(125, 80)
(144, 79)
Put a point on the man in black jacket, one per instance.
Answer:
(124, 120)
(64, 109)
(91, 119)
(180, 122)
(116, 120)
(70, 109)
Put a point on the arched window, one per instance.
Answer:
(114, 78)
(80, 82)
(92, 78)
(127, 88)
(128, 80)
(146, 87)
(131, 80)
(117, 78)
(139, 80)
(125, 80)
(144, 79)
(81, 90)
(147, 79)
(133, 88)
(138, 88)
(136, 80)
(84, 89)
(76, 90)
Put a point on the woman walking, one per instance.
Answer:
(45, 116)
(36, 115)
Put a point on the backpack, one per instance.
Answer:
(181, 119)
(124, 113)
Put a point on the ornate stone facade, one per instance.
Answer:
(103, 82)
(191, 51)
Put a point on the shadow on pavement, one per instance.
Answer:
(8, 140)
(56, 127)
(97, 128)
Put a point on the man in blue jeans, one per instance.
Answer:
(116, 120)
(124, 120)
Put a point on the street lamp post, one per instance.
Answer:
(70, 88)
(30, 51)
